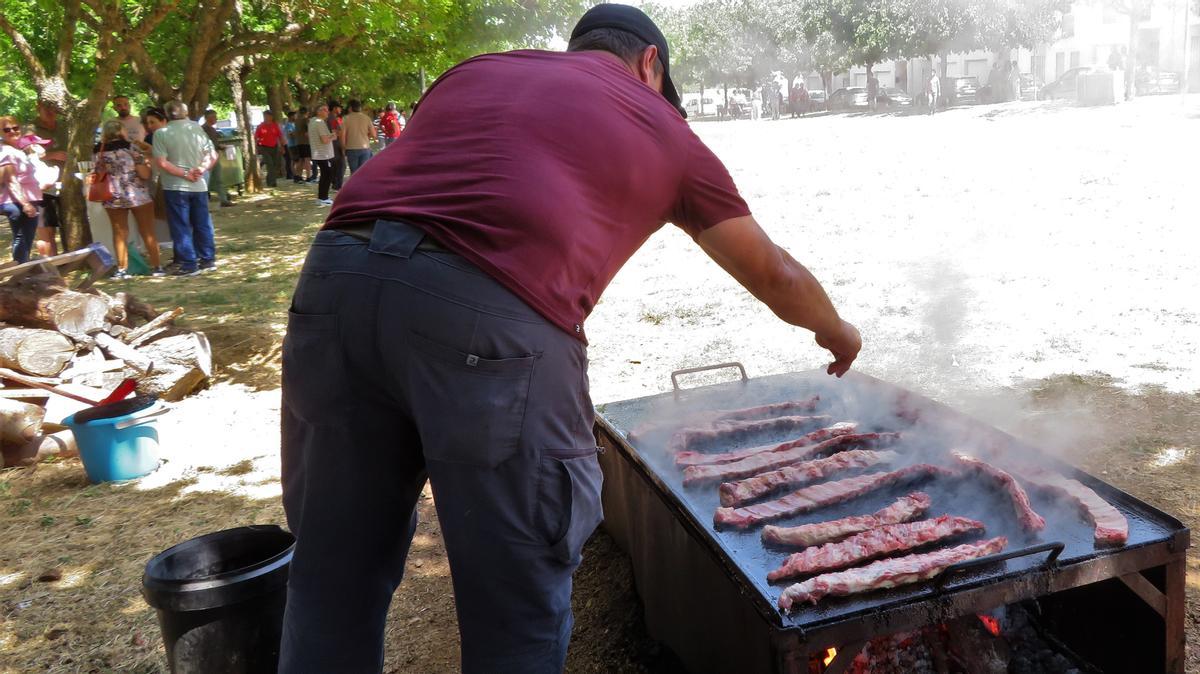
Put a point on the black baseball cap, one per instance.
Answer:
(633, 20)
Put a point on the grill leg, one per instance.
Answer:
(1176, 610)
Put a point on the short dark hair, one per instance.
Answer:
(355, 105)
(624, 44)
(157, 113)
(120, 96)
(303, 110)
(210, 111)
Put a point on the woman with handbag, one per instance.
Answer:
(121, 180)
(20, 193)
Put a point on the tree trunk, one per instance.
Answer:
(1131, 59)
(276, 99)
(76, 230)
(82, 120)
(236, 72)
(43, 353)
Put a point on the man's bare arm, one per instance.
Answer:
(745, 251)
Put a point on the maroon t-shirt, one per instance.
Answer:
(547, 170)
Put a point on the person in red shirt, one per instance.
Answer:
(437, 334)
(391, 124)
(269, 139)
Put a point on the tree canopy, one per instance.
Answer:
(77, 53)
(738, 40)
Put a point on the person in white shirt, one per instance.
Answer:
(320, 138)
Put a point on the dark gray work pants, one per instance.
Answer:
(402, 365)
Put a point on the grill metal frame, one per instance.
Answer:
(703, 605)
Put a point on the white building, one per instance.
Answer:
(1088, 36)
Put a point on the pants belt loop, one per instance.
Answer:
(395, 238)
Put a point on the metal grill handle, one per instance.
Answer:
(1055, 549)
(705, 368)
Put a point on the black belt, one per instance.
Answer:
(364, 231)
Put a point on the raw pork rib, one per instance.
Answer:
(768, 410)
(731, 431)
(885, 540)
(1030, 520)
(690, 458)
(821, 495)
(904, 509)
(886, 573)
(1111, 526)
(761, 463)
(772, 409)
(751, 488)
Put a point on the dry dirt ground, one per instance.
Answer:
(1031, 264)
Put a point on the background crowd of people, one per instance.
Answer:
(162, 165)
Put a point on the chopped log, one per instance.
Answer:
(43, 302)
(181, 363)
(142, 334)
(136, 307)
(19, 422)
(37, 382)
(60, 444)
(38, 352)
(82, 367)
(25, 395)
(117, 313)
(140, 362)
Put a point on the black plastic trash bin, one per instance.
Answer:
(220, 600)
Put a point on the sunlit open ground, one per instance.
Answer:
(1030, 264)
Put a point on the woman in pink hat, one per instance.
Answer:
(20, 193)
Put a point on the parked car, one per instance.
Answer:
(1066, 86)
(693, 106)
(891, 97)
(817, 100)
(1148, 82)
(960, 90)
(851, 98)
(1029, 87)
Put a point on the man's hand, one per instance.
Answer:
(29, 210)
(844, 343)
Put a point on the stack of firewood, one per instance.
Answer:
(62, 349)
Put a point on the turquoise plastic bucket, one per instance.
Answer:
(120, 448)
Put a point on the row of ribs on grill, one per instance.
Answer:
(837, 556)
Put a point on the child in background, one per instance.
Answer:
(47, 177)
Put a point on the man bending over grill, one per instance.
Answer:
(437, 333)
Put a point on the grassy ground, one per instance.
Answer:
(950, 300)
(242, 306)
